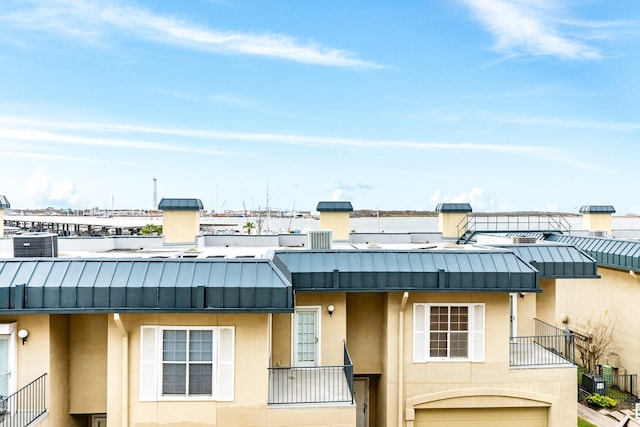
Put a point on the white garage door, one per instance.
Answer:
(482, 417)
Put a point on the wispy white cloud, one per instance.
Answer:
(193, 140)
(90, 21)
(12, 154)
(568, 122)
(42, 136)
(16, 133)
(529, 28)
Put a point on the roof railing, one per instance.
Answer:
(506, 222)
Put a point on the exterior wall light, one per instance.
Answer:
(330, 309)
(23, 333)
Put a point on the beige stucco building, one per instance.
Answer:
(299, 337)
(143, 342)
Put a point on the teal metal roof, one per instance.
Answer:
(4, 203)
(453, 207)
(556, 261)
(334, 207)
(597, 209)
(180, 205)
(414, 270)
(32, 285)
(615, 253)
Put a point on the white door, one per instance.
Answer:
(361, 395)
(306, 336)
(7, 358)
(5, 370)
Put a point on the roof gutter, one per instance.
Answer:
(124, 392)
(403, 303)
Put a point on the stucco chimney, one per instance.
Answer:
(597, 219)
(4, 204)
(450, 216)
(334, 216)
(180, 219)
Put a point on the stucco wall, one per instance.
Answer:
(448, 223)
(336, 221)
(546, 302)
(180, 226)
(614, 296)
(364, 327)
(88, 359)
(597, 222)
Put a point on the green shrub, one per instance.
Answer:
(601, 401)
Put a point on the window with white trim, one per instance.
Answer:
(186, 363)
(448, 332)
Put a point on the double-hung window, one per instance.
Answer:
(448, 332)
(186, 363)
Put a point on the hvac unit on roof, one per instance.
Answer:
(319, 239)
(36, 244)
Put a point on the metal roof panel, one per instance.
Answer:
(597, 209)
(106, 285)
(556, 261)
(180, 205)
(334, 206)
(370, 270)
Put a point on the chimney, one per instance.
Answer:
(4, 204)
(180, 220)
(334, 216)
(450, 215)
(597, 219)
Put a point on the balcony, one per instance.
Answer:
(312, 385)
(549, 347)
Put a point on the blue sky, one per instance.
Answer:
(508, 105)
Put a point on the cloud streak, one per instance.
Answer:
(91, 21)
(526, 28)
(63, 132)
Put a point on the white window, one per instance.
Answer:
(448, 332)
(186, 363)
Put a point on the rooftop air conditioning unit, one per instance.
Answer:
(319, 239)
(598, 233)
(36, 245)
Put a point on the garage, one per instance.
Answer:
(482, 417)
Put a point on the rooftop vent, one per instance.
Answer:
(598, 234)
(319, 239)
(35, 245)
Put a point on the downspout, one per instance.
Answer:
(403, 303)
(125, 370)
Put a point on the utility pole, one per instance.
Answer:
(155, 194)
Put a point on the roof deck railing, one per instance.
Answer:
(505, 222)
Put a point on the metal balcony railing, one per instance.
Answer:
(538, 222)
(25, 405)
(550, 346)
(311, 385)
